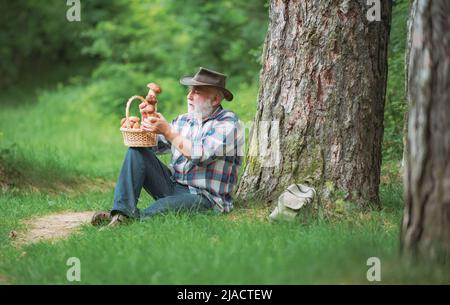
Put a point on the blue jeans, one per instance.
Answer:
(142, 169)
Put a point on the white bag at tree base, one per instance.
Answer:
(291, 201)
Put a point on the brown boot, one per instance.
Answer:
(102, 217)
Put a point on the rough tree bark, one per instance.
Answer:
(323, 80)
(426, 221)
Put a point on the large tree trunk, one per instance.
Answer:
(323, 84)
(426, 222)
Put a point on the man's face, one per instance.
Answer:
(202, 101)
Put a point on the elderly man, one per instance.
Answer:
(206, 145)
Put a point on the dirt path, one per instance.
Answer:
(60, 225)
(51, 227)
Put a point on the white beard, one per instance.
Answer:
(202, 110)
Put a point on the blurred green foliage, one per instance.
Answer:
(162, 40)
(167, 38)
(37, 31)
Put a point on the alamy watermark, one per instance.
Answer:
(374, 272)
(374, 11)
(73, 274)
(74, 11)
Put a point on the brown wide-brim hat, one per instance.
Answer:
(206, 77)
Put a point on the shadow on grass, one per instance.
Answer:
(18, 173)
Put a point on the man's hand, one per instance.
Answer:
(142, 106)
(157, 124)
(146, 108)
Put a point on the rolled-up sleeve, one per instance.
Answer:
(219, 141)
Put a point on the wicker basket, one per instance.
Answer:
(137, 137)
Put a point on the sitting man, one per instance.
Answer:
(206, 145)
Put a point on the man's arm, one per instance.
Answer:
(182, 144)
(225, 139)
(160, 126)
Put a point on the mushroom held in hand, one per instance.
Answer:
(149, 108)
(154, 89)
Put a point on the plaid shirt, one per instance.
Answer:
(217, 144)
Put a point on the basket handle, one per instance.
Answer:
(127, 108)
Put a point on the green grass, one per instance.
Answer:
(61, 133)
(240, 248)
